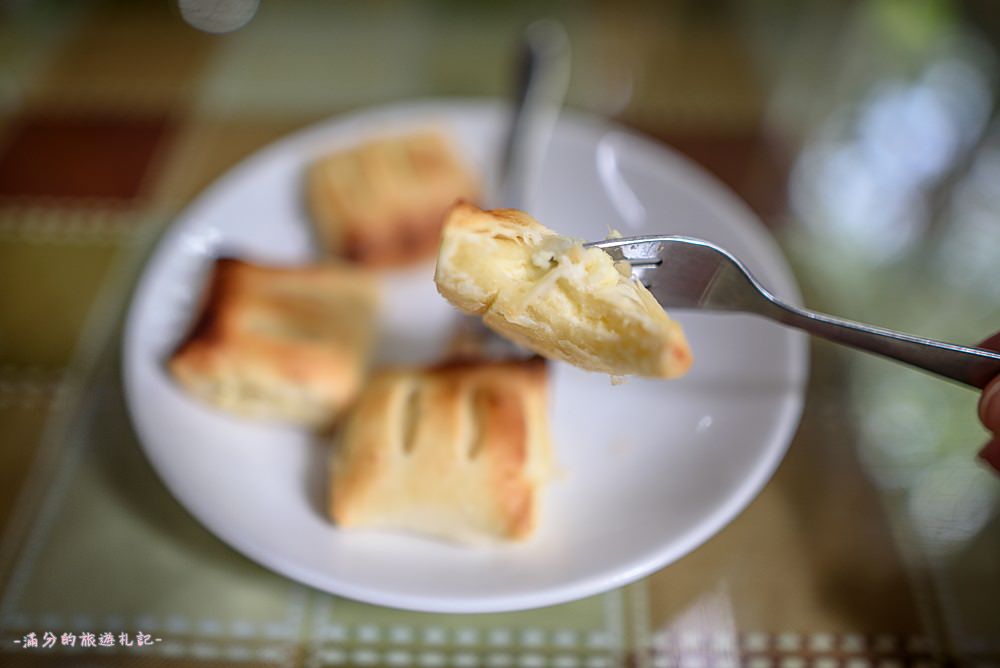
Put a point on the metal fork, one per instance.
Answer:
(687, 273)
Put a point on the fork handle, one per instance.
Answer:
(972, 366)
(542, 77)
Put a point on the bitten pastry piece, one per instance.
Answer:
(457, 452)
(289, 344)
(383, 202)
(551, 295)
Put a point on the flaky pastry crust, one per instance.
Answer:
(281, 343)
(551, 295)
(458, 452)
(382, 203)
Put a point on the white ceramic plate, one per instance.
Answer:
(650, 469)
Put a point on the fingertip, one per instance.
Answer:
(991, 454)
(989, 406)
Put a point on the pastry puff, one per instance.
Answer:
(458, 452)
(283, 343)
(553, 296)
(383, 202)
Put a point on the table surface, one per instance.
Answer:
(863, 134)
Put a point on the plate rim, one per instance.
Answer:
(756, 235)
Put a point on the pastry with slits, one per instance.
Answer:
(458, 452)
(280, 343)
(382, 203)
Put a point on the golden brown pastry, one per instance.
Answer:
(458, 452)
(550, 294)
(383, 202)
(281, 343)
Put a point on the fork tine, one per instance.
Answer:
(644, 274)
(642, 254)
(634, 249)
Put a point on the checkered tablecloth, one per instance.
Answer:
(877, 541)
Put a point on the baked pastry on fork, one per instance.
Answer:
(551, 295)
